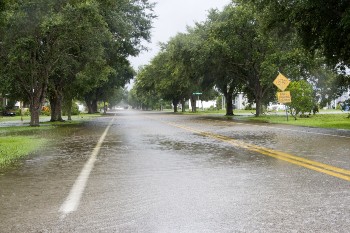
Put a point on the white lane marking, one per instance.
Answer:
(73, 199)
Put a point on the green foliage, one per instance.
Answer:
(321, 25)
(74, 110)
(219, 102)
(52, 46)
(302, 97)
(335, 121)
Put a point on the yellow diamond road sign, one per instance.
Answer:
(284, 97)
(281, 82)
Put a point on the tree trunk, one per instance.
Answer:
(89, 105)
(56, 106)
(69, 104)
(104, 108)
(94, 106)
(183, 104)
(258, 99)
(229, 105)
(35, 109)
(228, 93)
(193, 103)
(36, 99)
(175, 103)
(59, 107)
(53, 103)
(258, 107)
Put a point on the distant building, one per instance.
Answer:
(203, 104)
(239, 102)
(345, 96)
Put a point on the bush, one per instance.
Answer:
(25, 112)
(302, 97)
(249, 107)
(46, 111)
(74, 110)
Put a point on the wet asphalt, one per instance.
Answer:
(158, 172)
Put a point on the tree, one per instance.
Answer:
(169, 76)
(129, 23)
(80, 23)
(242, 51)
(219, 64)
(254, 57)
(322, 26)
(302, 97)
(144, 91)
(29, 48)
(45, 45)
(119, 95)
(183, 78)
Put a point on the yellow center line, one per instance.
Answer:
(310, 164)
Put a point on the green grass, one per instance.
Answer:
(328, 119)
(17, 142)
(336, 121)
(80, 117)
(13, 118)
(13, 148)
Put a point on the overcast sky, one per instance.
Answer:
(173, 17)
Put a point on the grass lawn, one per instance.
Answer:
(336, 121)
(13, 148)
(17, 142)
(327, 119)
(44, 119)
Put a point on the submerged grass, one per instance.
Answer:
(17, 142)
(43, 119)
(335, 121)
(13, 148)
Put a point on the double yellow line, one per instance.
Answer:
(310, 164)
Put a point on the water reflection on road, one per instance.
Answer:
(153, 177)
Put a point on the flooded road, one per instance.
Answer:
(159, 172)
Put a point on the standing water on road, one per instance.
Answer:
(158, 172)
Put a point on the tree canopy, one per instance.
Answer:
(233, 52)
(321, 25)
(48, 45)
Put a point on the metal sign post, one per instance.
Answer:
(197, 93)
(283, 97)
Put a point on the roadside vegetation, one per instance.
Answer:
(46, 120)
(50, 54)
(17, 142)
(334, 121)
(243, 48)
(13, 148)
